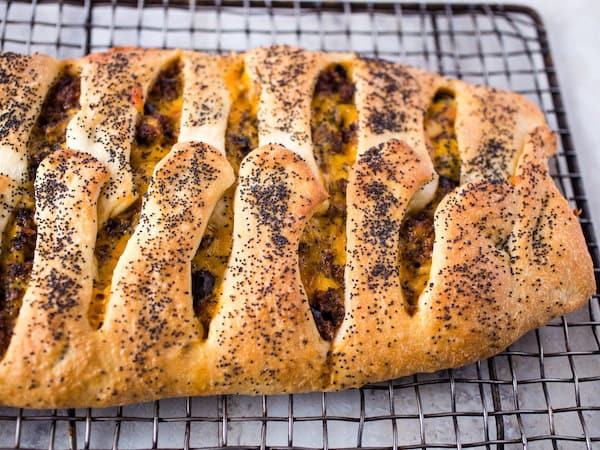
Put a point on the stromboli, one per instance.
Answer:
(236, 273)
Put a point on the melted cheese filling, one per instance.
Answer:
(322, 255)
(156, 133)
(210, 262)
(19, 237)
(417, 232)
(322, 251)
(16, 261)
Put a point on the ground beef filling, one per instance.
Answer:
(49, 133)
(322, 253)
(110, 244)
(156, 132)
(15, 269)
(417, 232)
(19, 238)
(210, 262)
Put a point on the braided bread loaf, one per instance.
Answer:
(177, 223)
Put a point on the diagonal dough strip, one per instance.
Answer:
(24, 82)
(206, 100)
(52, 331)
(149, 317)
(24, 85)
(114, 86)
(393, 177)
(545, 240)
(263, 338)
(382, 182)
(465, 311)
(156, 132)
(45, 137)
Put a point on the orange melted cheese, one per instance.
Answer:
(439, 128)
(322, 254)
(326, 230)
(417, 233)
(322, 250)
(210, 262)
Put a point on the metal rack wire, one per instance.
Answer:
(543, 392)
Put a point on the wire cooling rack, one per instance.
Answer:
(543, 392)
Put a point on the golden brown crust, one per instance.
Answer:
(465, 312)
(552, 266)
(508, 253)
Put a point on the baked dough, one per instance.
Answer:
(273, 221)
